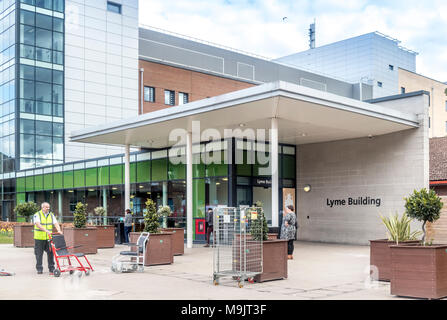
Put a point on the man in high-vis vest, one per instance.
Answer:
(43, 227)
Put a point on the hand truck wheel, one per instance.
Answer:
(71, 271)
(87, 272)
(251, 280)
(57, 273)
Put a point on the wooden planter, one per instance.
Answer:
(159, 248)
(84, 237)
(24, 235)
(274, 258)
(178, 240)
(105, 236)
(419, 271)
(380, 257)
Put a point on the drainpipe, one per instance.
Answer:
(142, 90)
(432, 112)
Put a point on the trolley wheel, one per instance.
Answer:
(251, 280)
(57, 273)
(215, 282)
(111, 268)
(240, 284)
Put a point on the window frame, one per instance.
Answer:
(111, 4)
(149, 94)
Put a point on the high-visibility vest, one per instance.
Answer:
(47, 223)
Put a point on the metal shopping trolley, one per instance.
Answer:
(237, 250)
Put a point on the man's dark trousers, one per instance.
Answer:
(39, 247)
(209, 231)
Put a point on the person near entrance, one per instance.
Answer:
(44, 221)
(288, 229)
(127, 225)
(209, 225)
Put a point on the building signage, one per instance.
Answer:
(359, 201)
(264, 182)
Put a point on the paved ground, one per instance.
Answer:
(318, 271)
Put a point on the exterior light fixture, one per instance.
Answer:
(141, 187)
(114, 188)
(70, 191)
(307, 188)
(242, 125)
(225, 179)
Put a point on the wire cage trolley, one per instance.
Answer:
(64, 258)
(237, 253)
(122, 263)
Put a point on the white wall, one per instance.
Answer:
(388, 167)
(101, 70)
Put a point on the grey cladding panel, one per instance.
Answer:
(187, 57)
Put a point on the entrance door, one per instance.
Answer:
(6, 210)
(265, 196)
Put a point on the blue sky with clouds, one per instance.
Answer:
(257, 26)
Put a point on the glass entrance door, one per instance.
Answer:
(265, 196)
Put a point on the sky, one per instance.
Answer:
(260, 26)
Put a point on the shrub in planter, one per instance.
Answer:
(164, 212)
(159, 248)
(419, 270)
(105, 234)
(24, 233)
(80, 234)
(178, 237)
(399, 231)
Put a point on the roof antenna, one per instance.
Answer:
(312, 35)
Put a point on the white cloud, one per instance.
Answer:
(257, 26)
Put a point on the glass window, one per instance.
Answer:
(379, 84)
(58, 41)
(46, 4)
(27, 17)
(57, 94)
(58, 129)
(43, 108)
(402, 90)
(44, 21)
(27, 72)
(58, 24)
(43, 38)
(58, 57)
(58, 5)
(183, 98)
(44, 147)
(27, 52)
(149, 94)
(169, 97)
(26, 126)
(43, 91)
(43, 55)
(27, 89)
(27, 145)
(58, 149)
(27, 106)
(44, 128)
(113, 7)
(391, 67)
(31, 2)
(27, 34)
(58, 77)
(58, 110)
(43, 74)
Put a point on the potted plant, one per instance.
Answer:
(80, 235)
(105, 234)
(418, 270)
(159, 249)
(274, 251)
(399, 231)
(178, 234)
(24, 232)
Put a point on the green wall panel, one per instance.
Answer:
(57, 180)
(159, 169)
(91, 177)
(144, 171)
(133, 172)
(103, 176)
(177, 171)
(68, 179)
(116, 174)
(38, 182)
(198, 169)
(216, 170)
(29, 181)
(48, 181)
(20, 198)
(79, 178)
(198, 202)
(20, 184)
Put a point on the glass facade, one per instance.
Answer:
(41, 83)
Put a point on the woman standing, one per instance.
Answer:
(288, 229)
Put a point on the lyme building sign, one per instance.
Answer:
(359, 201)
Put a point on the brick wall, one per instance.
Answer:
(198, 85)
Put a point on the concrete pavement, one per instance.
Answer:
(318, 271)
